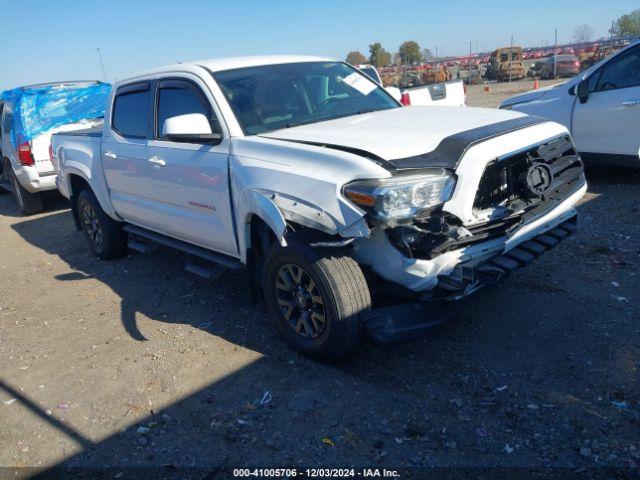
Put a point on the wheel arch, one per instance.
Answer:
(76, 183)
(258, 211)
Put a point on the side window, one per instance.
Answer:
(177, 97)
(592, 82)
(7, 122)
(621, 72)
(132, 110)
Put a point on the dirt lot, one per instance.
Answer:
(137, 368)
(478, 97)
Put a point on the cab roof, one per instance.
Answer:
(230, 63)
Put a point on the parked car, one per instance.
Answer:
(601, 108)
(28, 117)
(335, 197)
(559, 66)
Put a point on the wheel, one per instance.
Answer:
(29, 203)
(315, 299)
(105, 236)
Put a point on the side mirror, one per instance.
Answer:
(583, 90)
(190, 128)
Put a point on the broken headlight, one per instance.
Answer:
(401, 196)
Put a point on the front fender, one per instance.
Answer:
(254, 202)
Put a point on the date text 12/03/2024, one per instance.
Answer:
(316, 472)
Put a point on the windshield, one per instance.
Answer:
(371, 72)
(272, 97)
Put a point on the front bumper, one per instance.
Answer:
(456, 290)
(422, 276)
(32, 181)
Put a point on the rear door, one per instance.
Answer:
(124, 153)
(188, 183)
(608, 122)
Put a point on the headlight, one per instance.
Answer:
(401, 197)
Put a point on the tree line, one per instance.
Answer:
(410, 53)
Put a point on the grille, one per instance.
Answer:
(506, 182)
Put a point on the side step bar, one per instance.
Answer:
(202, 253)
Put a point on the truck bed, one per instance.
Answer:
(449, 93)
(95, 131)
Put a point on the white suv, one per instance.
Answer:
(600, 107)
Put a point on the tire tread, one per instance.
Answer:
(114, 238)
(350, 294)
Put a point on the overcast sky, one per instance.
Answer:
(57, 40)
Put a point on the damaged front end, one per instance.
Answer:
(523, 206)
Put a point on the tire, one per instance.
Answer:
(29, 203)
(335, 279)
(104, 235)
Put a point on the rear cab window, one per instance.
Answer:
(132, 111)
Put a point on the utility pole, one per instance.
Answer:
(510, 57)
(555, 56)
(611, 37)
(104, 73)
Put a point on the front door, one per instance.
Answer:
(189, 182)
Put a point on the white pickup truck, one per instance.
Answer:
(450, 93)
(351, 212)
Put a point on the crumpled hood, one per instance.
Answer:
(397, 133)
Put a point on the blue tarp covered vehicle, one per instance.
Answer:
(29, 116)
(41, 108)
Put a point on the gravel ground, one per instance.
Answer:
(477, 95)
(134, 365)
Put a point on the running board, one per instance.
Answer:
(203, 253)
(204, 272)
(134, 244)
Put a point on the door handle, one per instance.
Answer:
(110, 155)
(156, 161)
(631, 103)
